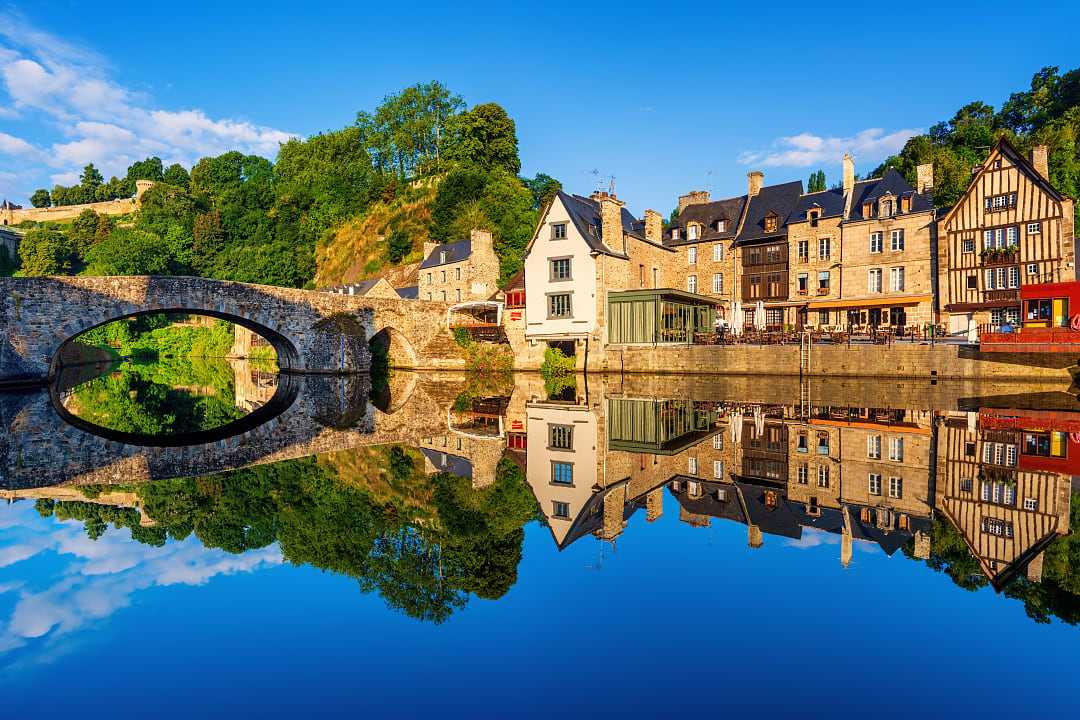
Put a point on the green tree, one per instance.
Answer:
(130, 251)
(404, 134)
(177, 175)
(485, 137)
(398, 245)
(816, 183)
(41, 198)
(148, 169)
(84, 231)
(544, 188)
(45, 251)
(91, 179)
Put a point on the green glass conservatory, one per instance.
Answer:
(659, 427)
(662, 316)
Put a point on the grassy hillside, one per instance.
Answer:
(358, 248)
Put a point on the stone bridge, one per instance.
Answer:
(313, 332)
(42, 446)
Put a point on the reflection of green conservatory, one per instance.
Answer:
(658, 316)
(659, 427)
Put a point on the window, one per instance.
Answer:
(558, 231)
(560, 509)
(802, 443)
(823, 476)
(720, 225)
(559, 305)
(718, 469)
(691, 253)
(561, 437)
(896, 449)
(896, 279)
(429, 296)
(1031, 504)
(641, 276)
(873, 447)
(965, 485)
(1014, 277)
(692, 234)
(718, 252)
(1000, 202)
(969, 449)
(459, 294)
(885, 208)
(562, 473)
(674, 233)
(813, 216)
(972, 282)
(718, 283)
(691, 283)
(875, 242)
(444, 276)
(693, 489)
(896, 238)
(429, 278)
(1045, 444)
(442, 259)
(896, 488)
(994, 526)
(774, 317)
(718, 441)
(803, 280)
(823, 444)
(874, 483)
(969, 246)
(691, 465)
(823, 281)
(1034, 228)
(772, 222)
(873, 282)
(1032, 268)
(560, 269)
(457, 273)
(804, 250)
(823, 247)
(801, 474)
(444, 296)
(823, 317)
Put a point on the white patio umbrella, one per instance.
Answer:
(735, 418)
(736, 318)
(759, 420)
(759, 315)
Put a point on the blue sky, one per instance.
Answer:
(664, 98)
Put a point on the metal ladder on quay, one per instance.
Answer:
(805, 344)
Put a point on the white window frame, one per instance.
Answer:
(896, 488)
(691, 255)
(802, 474)
(718, 252)
(874, 280)
(691, 283)
(877, 243)
(873, 447)
(718, 469)
(823, 476)
(968, 246)
(717, 283)
(692, 233)
(1031, 504)
(691, 465)
(1033, 268)
(824, 246)
(896, 279)
(896, 240)
(718, 441)
(873, 484)
(896, 449)
(1034, 228)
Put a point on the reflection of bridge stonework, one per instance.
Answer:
(39, 448)
(312, 331)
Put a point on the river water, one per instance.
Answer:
(217, 540)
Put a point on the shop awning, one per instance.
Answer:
(870, 302)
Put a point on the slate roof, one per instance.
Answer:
(446, 462)
(707, 504)
(831, 203)
(455, 252)
(409, 293)
(585, 214)
(891, 182)
(779, 199)
(729, 209)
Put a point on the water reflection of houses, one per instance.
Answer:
(1006, 485)
(877, 475)
(474, 443)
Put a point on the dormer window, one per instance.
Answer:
(813, 216)
(674, 233)
(691, 232)
(772, 222)
(867, 209)
(885, 207)
(905, 204)
(720, 225)
(442, 257)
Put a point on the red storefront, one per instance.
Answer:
(1049, 321)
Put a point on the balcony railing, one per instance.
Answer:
(823, 291)
(1000, 295)
(1000, 258)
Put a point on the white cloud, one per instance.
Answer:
(95, 119)
(806, 149)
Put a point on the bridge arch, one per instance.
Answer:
(390, 341)
(287, 353)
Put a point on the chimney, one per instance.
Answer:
(924, 178)
(654, 226)
(482, 242)
(755, 180)
(429, 247)
(1040, 158)
(848, 171)
(614, 509)
(654, 504)
(694, 197)
(753, 536)
(922, 545)
(1035, 567)
(611, 227)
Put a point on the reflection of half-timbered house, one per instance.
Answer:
(1000, 483)
(1010, 228)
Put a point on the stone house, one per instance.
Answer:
(814, 249)
(461, 271)
(372, 287)
(595, 276)
(763, 255)
(879, 250)
(703, 234)
(1010, 228)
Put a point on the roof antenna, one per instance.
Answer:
(611, 186)
(596, 179)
